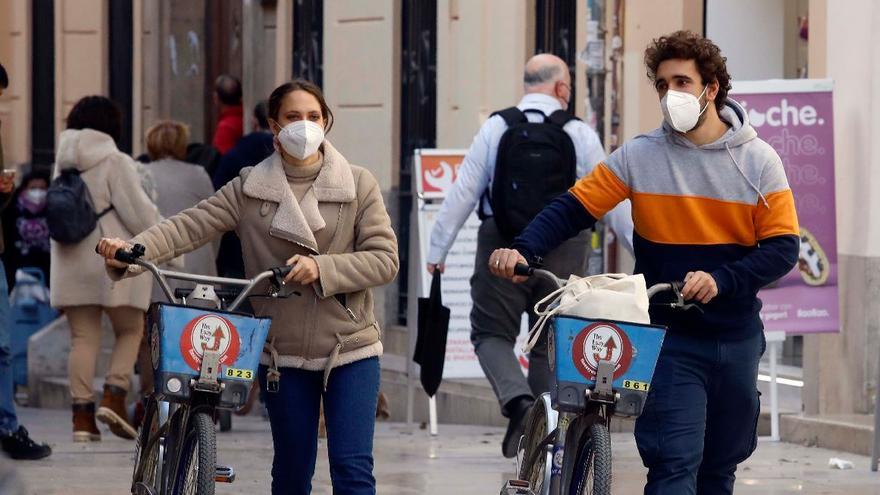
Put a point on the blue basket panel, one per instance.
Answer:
(633, 348)
(180, 335)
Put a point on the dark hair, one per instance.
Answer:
(98, 113)
(261, 113)
(4, 77)
(300, 85)
(687, 45)
(228, 89)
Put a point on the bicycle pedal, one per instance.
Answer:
(224, 474)
(517, 487)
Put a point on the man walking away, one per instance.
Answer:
(520, 159)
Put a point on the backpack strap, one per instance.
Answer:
(561, 117)
(511, 116)
(105, 211)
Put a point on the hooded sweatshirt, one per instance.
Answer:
(724, 208)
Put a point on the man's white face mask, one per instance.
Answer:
(682, 110)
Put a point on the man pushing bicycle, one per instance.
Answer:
(711, 206)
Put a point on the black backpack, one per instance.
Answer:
(536, 163)
(70, 212)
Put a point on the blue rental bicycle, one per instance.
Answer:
(204, 358)
(603, 369)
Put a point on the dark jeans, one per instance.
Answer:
(8, 419)
(350, 417)
(701, 416)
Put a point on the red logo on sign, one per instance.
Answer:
(598, 342)
(209, 333)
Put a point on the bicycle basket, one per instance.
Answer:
(178, 337)
(577, 344)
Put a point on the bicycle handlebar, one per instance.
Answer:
(135, 257)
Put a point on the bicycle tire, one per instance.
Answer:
(592, 475)
(147, 466)
(198, 458)
(534, 466)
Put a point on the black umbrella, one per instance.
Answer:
(433, 325)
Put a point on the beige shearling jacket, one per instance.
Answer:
(329, 322)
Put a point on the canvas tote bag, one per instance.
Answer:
(611, 296)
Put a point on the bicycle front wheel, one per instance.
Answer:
(592, 470)
(198, 459)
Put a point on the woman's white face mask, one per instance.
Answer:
(682, 110)
(301, 139)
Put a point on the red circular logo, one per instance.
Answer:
(598, 342)
(209, 333)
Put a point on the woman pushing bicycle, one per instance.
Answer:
(307, 207)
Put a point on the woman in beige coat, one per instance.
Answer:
(79, 284)
(307, 207)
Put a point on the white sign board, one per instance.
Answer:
(435, 171)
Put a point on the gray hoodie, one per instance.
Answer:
(695, 208)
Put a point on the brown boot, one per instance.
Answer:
(112, 412)
(84, 427)
(383, 408)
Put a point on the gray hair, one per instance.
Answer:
(545, 74)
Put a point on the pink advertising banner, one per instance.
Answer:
(796, 118)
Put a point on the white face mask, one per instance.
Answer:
(36, 196)
(682, 110)
(301, 139)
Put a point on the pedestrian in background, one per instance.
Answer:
(179, 185)
(79, 284)
(559, 147)
(25, 232)
(230, 123)
(307, 207)
(14, 438)
(249, 151)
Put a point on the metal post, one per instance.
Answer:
(774, 339)
(432, 415)
(875, 452)
(774, 395)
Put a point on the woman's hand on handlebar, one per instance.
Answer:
(502, 263)
(305, 270)
(108, 247)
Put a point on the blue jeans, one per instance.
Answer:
(350, 417)
(8, 419)
(701, 416)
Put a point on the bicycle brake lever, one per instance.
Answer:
(689, 306)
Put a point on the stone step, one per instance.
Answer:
(54, 391)
(395, 340)
(852, 433)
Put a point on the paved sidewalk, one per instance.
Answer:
(464, 460)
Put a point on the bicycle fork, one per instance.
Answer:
(556, 471)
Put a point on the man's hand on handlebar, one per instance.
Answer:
(699, 286)
(305, 270)
(502, 263)
(108, 247)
